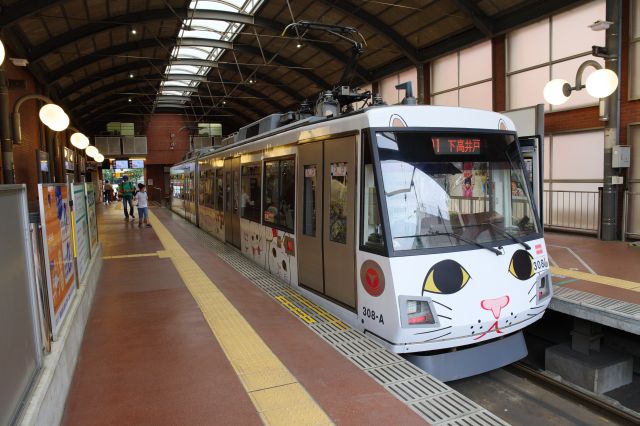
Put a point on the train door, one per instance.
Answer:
(309, 220)
(326, 221)
(231, 201)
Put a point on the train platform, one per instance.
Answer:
(596, 280)
(186, 330)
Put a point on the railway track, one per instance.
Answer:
(521, 395)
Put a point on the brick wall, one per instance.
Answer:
(159, 137)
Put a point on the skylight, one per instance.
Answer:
(189, 74)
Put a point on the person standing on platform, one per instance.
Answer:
(143, 206)
(127, 190)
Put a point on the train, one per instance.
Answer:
(414, 224)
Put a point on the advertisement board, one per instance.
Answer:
(92, 222)
(81, 231)
(57, 233)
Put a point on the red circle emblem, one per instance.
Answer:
(372, 278)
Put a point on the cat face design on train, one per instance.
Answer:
(483, 300)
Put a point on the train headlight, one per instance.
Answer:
(416, 311)
(543, 287)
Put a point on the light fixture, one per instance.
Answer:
(130, 100)
(299, 44)
(251, 81)
(600, 84)
(79, 140)
(133, 31)
(224, 102)
(557, 91)
(99, 158)
(1, 52)
(54, 117)
(92, 151)
(131, 75)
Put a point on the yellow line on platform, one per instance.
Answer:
(274, 391)
(600, 279)
(125, 256)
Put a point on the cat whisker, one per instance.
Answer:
(537, 307)
(530, 300)
(534, 284)
(433, 331)
(437, 337)
(442, 316)
(443, 305)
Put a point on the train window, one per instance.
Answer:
(338, 203)
(250, 199)
(448, 189)
(219, 190)
(279, 193)
(309, 201)
(371, 233)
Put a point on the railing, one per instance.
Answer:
(631, 216)
(572, 210)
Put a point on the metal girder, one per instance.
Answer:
(478, 17)
(83, 61)
(380, 28)
(194, 62)
(23, 9)
(324, 85)
(194, 41)
(64, 93)
(192, 77)
(172, 98)
(68, 91)
(116, 85)
(69, 37)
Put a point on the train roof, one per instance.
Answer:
(396, 116)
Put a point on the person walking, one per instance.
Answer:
(143, 206)
(127, 190)
(108, 189)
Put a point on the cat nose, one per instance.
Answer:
(495, 305)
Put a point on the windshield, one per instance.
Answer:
(446, 189)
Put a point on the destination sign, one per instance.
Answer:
(453, 145)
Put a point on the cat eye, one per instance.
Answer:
(521, 265)
(446, 277)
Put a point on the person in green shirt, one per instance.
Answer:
(127, 191)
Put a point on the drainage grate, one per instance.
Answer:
(433, 400)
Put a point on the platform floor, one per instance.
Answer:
(596, 280)
(178, 336)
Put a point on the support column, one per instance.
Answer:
(8, 172)
(609, 214)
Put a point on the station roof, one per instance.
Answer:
(228, 61)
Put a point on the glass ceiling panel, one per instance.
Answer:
(182, 69)
(206, 29)
(193, 52)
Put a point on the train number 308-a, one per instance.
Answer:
(370, 313)
(540, 264)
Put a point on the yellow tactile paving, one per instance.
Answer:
(600, 279)
(125, 256)
(274, 391)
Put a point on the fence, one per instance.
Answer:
(572, 210)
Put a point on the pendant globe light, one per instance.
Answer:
(92, 151)
(79, 140)
(54, 117)
(1, 52)
(99, 158)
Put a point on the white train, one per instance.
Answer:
(414, 224)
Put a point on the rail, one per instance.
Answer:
(631, 216)
(572, 210)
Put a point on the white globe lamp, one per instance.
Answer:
(76, 139)
(1, 52)
(84, 142)
(99, 158)
(601, 83)
(92, 151)
(554, 91)
(54, 117)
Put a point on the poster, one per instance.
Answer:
(91, 217)
(55, 216)
(81, 231)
